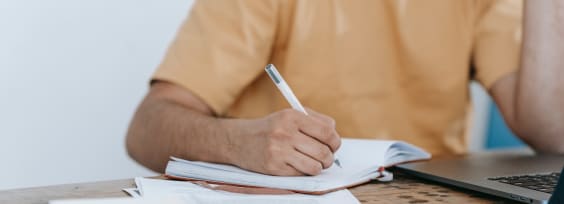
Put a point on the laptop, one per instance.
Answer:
(520, 177)
(558, 194)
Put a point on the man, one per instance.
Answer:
(369, 69)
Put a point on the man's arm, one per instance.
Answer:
(532, 99)
(171, 121)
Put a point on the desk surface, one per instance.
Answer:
(404, 189)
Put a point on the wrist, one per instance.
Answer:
(237, 133)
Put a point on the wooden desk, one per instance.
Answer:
(404, 189)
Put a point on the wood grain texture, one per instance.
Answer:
(404, 189)
(409, 190)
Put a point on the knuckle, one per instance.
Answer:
(287, 114)
(323, 153)
(327, 158)
(327, 154)
(278, 132)
(326, 131)
(271, 151)
(315, 169)
(337, 143)
(334, 146)
(331, 121)
(327, 163)
(326, 118)
(333, 141)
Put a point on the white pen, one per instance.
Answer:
(287, 93)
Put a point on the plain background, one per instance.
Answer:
(72, 73)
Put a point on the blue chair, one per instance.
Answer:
(498, 135)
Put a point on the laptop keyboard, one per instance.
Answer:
(538, 182)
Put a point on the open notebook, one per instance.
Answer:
(361, 161)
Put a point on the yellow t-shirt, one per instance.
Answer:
(388, 69)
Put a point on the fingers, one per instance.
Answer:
(323, 118)
(296, 144)
(328, 120)
(305, 164)
(315, 150)
(288, 170)
(321, 131)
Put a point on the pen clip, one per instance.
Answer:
(271, 69)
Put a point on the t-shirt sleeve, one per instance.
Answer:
(220, 49)
(497, 45)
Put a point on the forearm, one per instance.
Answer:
(539, 96)
(162, 128)
(172, 121)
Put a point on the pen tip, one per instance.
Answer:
(338, 163)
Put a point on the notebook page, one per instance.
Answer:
(324, 181)
(401, 152)
(221, 167)
(363, 154)
(359, 160)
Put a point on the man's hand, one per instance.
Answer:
(288, 143)
(172, 121)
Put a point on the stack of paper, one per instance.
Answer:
(154, 200)
(197, 194)
(157, 191)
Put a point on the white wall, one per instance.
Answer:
(71, 74)
(479, 119)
